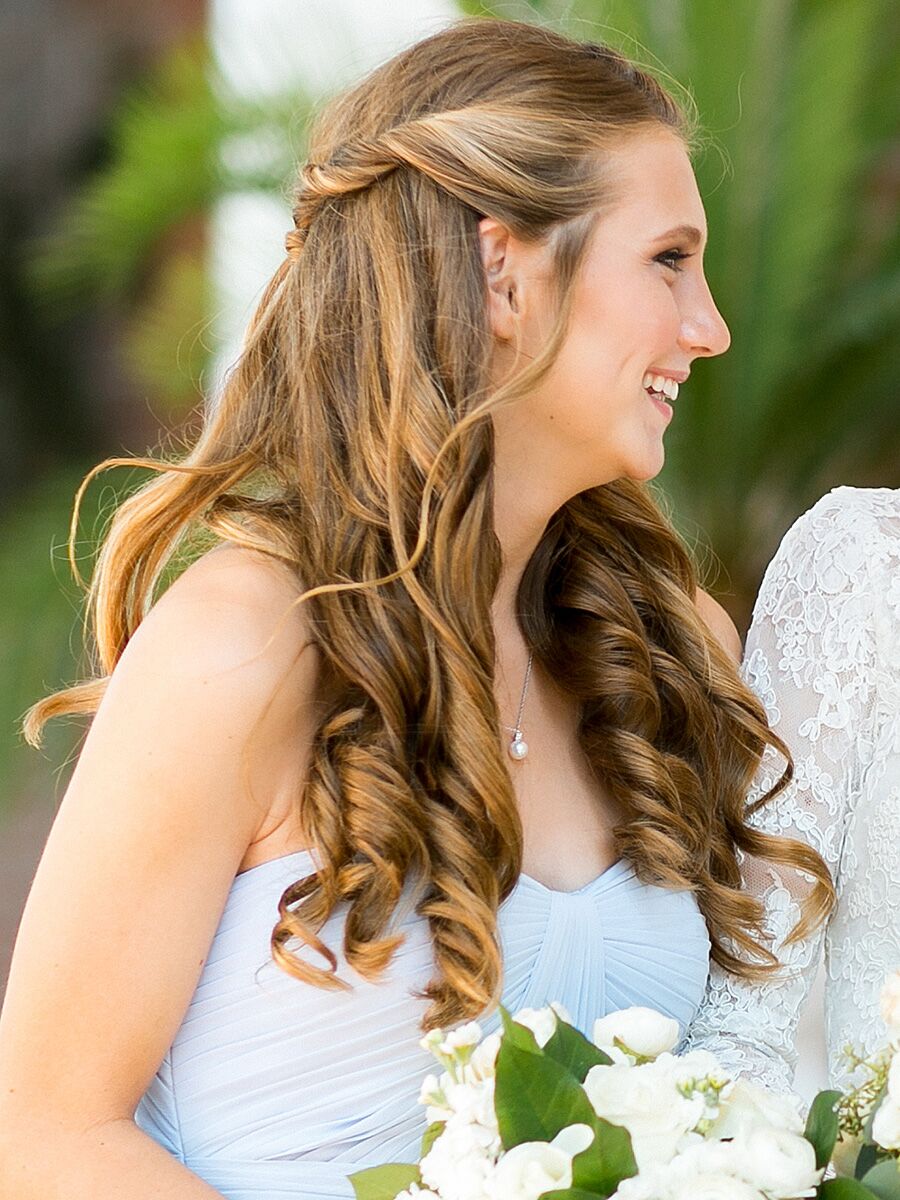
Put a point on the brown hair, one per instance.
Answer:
(357, 423)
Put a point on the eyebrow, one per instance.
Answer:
(687, 233)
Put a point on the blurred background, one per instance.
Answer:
(147, 153)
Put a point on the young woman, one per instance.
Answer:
(444, 720)
(823, 654)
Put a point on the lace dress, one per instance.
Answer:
(823, 654)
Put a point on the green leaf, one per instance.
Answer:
(518, 1035)
(569, 1047)
(571, 1193)
(865, 1160)
(385, 1181)
(822, 1126)
(844, 1189)
(884, 1180)
(535, 1097)
(606, 1162)
(430, 1136)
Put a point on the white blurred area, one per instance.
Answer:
(262, 46)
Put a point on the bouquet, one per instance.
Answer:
(540, 1110)
(868, 1148)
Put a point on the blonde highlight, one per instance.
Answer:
(353, 442)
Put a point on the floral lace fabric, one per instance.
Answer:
(823, 655)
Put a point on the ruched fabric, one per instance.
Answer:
(274, 1088)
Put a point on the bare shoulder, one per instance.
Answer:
(719, 624)
(198, 737)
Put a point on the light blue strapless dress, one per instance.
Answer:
(276, 1090)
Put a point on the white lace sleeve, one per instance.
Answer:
(808, 657)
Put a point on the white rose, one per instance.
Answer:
(889, 1002)
(709, 1170)
(893, 1080)
(712, 1186)
(780, 1163)
(886, 1124)
(532, 1168)
(460, 1161)
(643, 1031)
(645, 1101)
(745, 1106)
(541, 1022)
(651, 1184)
(705, 1171)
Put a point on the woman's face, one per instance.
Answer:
(636, 309)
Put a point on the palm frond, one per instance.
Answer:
(178, 141)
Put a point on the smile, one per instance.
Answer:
(661, 402)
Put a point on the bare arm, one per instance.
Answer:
(169, 791)
(719, 624)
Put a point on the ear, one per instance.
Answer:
(503, 307)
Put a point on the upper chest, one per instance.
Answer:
(566, 813)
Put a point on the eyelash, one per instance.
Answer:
(676, 254)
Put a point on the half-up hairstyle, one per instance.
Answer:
(353, 441)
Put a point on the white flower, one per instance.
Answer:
(889, 1002)
(473, 1102)
(432, 1095)
(643, 1031)
(712, 1186)
(746, 1106)
(541, 1022)
(531, 1168)
(780, 1163)
(460, 1161)
(698, 1066)
(705, 1171)
(484, 1057)
(893, 1080)
(468, 1035)
(414, 1192)
(886, 1124)
(645, 1100)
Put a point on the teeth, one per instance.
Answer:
(659, 383)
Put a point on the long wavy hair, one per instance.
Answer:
(353, 441)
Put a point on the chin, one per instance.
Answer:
(643, 471)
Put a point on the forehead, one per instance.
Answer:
(658, 188)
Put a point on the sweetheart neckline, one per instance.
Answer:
(523, 876)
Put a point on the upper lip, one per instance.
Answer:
(669, 373)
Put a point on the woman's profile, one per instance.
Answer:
(442, 718)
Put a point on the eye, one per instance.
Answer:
(675, 256)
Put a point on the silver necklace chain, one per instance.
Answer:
(518, 747)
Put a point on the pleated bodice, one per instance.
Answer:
(277, 1089)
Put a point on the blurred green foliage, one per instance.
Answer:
(40, 621)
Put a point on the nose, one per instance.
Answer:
(704, 332)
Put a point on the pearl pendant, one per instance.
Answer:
(518, 748)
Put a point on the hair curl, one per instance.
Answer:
(358, 422)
